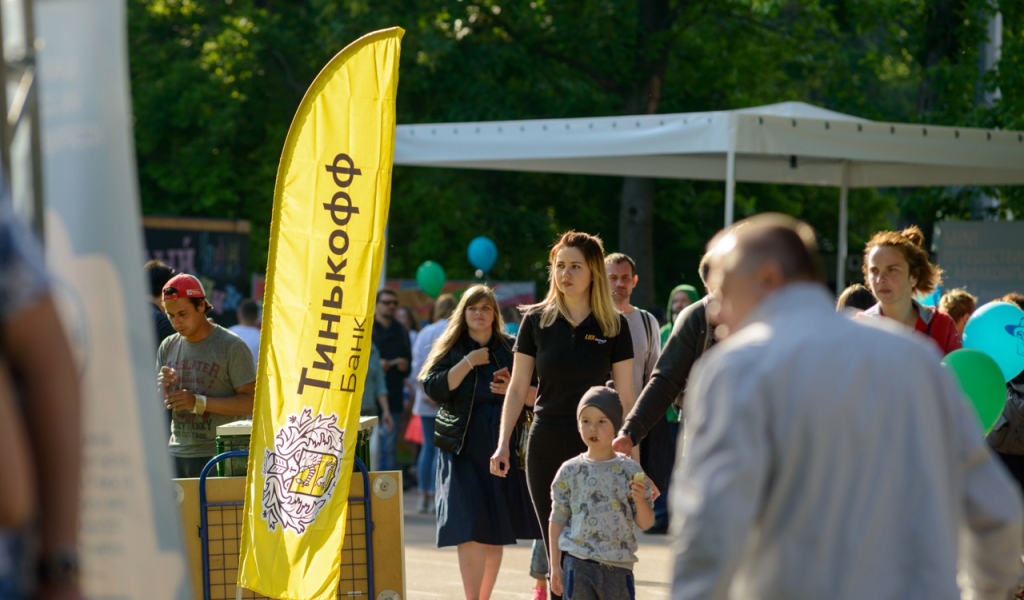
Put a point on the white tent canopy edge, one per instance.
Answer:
(788, 143)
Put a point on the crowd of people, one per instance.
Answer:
(815, 432)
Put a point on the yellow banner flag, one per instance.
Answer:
(326, 247)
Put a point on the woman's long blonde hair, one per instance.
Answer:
(600, 294)
(457, 325)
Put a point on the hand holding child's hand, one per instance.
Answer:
(637, 487)
(556, 580)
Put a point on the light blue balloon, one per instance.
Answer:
(482, 253)
(997, 329)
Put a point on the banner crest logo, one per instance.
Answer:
(302, 470)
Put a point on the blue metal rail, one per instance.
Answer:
(204, 528)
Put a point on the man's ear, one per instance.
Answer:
(636, 278)
(769, 275)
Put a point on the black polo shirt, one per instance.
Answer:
(570, 360)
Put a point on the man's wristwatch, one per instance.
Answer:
(58, 568)
(630, 435)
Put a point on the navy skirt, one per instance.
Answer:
(472, 504)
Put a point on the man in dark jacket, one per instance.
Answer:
(692, 335)
(392, 340)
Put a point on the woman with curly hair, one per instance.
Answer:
(895, 267)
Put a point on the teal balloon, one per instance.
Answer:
(482, 253)
(981, 380)
(997, 329)
(430, 277)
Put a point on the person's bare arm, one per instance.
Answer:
(515, 399)
(18, 498)
(555, 566)
(41, 361)
(644, 512)
(622, 375)
(386, 420)
(233, 406)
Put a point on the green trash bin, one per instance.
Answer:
(366, 425)
(233, 436)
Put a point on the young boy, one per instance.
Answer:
(597, 497)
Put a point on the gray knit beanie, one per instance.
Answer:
(605, 399)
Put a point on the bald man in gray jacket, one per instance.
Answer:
(826, 458)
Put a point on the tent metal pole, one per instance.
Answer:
(383, 280)
(34, 115)
(730, 173)
(844, 225)
(6, 130)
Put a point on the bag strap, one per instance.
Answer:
(646, 316)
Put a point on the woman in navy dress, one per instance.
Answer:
(467, 373)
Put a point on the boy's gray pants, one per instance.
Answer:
(590, 580)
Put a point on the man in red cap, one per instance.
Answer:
(207, 375)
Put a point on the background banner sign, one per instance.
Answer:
(214, 250)
(331, 203)
(130, 531)
(986, 257)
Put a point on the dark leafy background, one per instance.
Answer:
(215, 84)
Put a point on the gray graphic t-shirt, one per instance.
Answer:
(592, 499)
(215, 367)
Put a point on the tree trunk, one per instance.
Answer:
(636, 210)
(636, 220)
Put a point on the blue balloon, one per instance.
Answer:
(997, 329)
(482, 253)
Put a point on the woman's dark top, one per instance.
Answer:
(456, 406)
(569, 361)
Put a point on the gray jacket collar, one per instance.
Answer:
(926, 312)
(791, 299)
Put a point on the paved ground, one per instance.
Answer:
(433, 572)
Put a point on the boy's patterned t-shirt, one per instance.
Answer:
(592, 499)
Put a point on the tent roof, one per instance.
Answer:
(790, 142)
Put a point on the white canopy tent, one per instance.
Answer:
(791, 142)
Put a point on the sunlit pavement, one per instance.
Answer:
(433, 572)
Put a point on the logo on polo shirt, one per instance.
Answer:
(593, 338)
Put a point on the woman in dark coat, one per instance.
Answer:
(467, 373)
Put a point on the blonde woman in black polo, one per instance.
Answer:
(575, 339)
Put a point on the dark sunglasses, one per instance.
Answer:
(389, 302)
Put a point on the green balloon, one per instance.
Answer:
(430, 277)
(982, 382)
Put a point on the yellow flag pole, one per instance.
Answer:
(331, 202)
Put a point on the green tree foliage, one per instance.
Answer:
(215, 85)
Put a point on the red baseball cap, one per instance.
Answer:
(183, 285)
